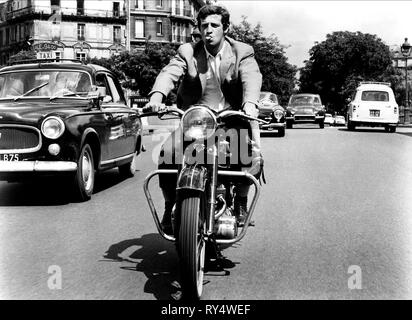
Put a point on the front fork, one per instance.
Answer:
(210, 189)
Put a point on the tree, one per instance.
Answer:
(22, 55)
(278, 74)
(138, 70)
(337, 64)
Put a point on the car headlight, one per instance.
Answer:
(52, 127)
(198, 123)
(278, 114)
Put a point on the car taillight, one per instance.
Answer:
(395, 110)
(353, 108)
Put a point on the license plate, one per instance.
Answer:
(9, 157)
(374, 113)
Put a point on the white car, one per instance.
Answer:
(339, 121)
(373, 104)
(329, 119)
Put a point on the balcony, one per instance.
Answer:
(67, 14)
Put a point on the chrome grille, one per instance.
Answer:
(19, 139)
(309, 118)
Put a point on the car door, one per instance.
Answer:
(122, 121)
(114, 127)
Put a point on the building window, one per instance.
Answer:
(80, 31)
(81, 56)
(80, 7)
(139, 29)
(139, 4)
(159, 28)
(116, 9)
(117, 34)
(159, 3)
(55, 3)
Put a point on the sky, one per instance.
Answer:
(299, 24)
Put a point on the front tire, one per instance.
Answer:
(321, 125)
(191, 248)
(289, 124)
(85, 174)
(281, 132)
(351, 126)
(128, 170)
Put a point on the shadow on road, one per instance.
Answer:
(270, 134)
(158, 260)
(409, 134)
(50, 191)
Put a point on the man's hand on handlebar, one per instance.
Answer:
(250, 109)
(154, 107)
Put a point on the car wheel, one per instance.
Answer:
(392, 129)
(289, 125)
(85, 174)
(321, 124)
(281, 132)
(128, 170)
(351, 126)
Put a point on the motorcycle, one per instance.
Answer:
(203, 218)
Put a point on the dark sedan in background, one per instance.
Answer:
(305, 108)
(272, 112)
(65, 118)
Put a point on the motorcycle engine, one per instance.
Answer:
(226, 226)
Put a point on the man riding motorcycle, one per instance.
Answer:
(216, 71)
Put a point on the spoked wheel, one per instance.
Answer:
(192, 248)
(85, 175)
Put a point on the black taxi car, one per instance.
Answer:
(272, 112)
(65, 118)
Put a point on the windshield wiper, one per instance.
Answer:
(32, 90)
(67, 94)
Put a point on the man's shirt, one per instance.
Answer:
(213, 95)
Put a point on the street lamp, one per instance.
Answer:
(406, 51)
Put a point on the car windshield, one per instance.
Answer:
(375, 96)
(303, 100)
(268, 96)
(44, 83)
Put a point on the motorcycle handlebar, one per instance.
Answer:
(221, 114)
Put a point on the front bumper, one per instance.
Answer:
(37, 166)
(271, 126)
(298, 118)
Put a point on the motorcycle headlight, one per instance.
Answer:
(198, 123)
(278, 114)
(52, 127)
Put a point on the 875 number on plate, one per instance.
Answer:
(9, 157)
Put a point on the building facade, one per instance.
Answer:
(67, 29)
(77, 29)
(163, 21)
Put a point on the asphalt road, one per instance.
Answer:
(333, 222)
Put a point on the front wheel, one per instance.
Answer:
(321, 125)
(128, 170)
(351, 125)
(281, 132)
(191, 248)
(85, 174)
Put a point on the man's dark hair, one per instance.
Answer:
(208, 10)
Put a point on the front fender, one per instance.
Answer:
(192, 178)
